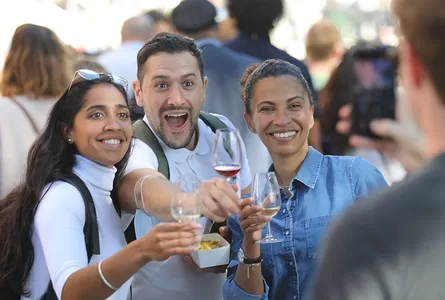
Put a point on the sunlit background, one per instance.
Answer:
(94, 25)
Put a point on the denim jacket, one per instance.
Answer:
(323, 187)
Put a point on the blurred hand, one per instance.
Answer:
(405, 144)
(225, 232)
(168, 239)
(252, 221)
(220, 199)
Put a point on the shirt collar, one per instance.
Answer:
(208, 41)
(309, 170)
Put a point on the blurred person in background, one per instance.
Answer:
(337, 93)
(255, 20)
(122, 61)
(162, 22)
(88, 62)
(224, 69)
(227, 29)
(391, 246)
(324, 51)
(36, 71)
(314, 189)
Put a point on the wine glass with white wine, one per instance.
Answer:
(186, 200)
(266, 193)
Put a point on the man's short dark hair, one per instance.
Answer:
(256, 17)
(168, 43)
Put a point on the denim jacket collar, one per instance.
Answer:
(309, 170)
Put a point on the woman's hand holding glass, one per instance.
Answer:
(167, 239)
(252, 221)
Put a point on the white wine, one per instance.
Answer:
(186, 218)
(270, 211)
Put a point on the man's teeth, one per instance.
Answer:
(283, 135)
(112, 142)
(176, 115)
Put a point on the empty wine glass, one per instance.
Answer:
(266, 193)
(227, 152)
(186, 200)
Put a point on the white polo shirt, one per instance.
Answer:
(174, 279)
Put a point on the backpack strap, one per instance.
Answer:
(212, 121)
(143, 132)
(27, 114)
(90, 229)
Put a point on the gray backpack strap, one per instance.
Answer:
(144, 133)
(212, 121)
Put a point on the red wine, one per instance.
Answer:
(227, 170)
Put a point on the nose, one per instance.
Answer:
(112, 124)
(282, 118)
(176, 98)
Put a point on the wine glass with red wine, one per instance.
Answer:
(227, 153)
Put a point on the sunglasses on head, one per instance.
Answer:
(85, 74)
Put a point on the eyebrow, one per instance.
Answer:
(287, 100)
(100, 106)
(165, 77)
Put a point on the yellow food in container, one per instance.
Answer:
(208, 245)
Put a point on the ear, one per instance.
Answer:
(67, 132)
(138, 93)
(339, 50)
(205, 81)
(248, 120)
(413, 68)
(311, 119)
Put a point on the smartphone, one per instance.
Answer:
(374, 87)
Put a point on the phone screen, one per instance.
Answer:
(373, 91)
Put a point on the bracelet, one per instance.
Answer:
(99, 267)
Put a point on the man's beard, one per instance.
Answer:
(173, 142)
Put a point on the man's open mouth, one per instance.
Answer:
(176, 120)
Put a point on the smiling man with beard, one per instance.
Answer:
(171, 87)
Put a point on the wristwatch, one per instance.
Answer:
(248, 261)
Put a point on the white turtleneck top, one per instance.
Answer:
(58, 237)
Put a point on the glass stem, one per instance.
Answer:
(269, 230)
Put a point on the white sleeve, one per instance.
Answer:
(59, 223)
(245, 176)
(141, 157)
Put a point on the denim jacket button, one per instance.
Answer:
(286, 232)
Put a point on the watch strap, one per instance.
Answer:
(252, 261)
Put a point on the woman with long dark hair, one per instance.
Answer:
(88, 135)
